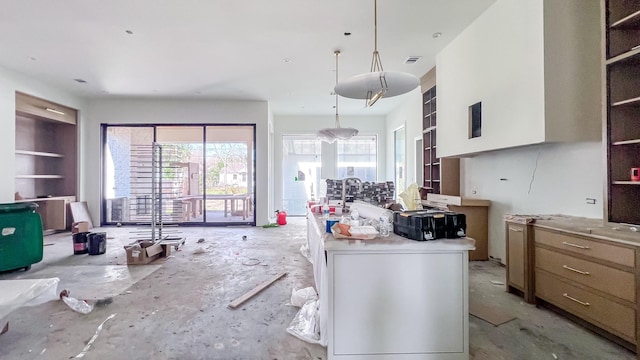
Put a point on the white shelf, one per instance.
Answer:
(626, 142)
(627, 21)
(624, 56)
(39, 176)
(39, 153)
(626, 183)
(634, 101)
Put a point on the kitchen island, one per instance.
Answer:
(391, 298)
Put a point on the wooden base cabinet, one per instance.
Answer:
(519, 260)
(589, 277)
(476, 212)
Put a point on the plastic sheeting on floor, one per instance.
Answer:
(29, 292)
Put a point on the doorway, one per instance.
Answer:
(301, 163)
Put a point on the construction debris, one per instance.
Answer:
(239, 301)
(94, 337)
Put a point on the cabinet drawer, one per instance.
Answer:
(611, 316)
(612, 281)
(604, 251)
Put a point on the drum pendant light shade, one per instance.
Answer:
(332, 134)
(377, 83)
(357, 87)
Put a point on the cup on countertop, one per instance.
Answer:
(329, 223)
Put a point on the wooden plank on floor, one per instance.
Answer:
(239, 301)
(490, 314)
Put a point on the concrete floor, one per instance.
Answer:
(177, 308)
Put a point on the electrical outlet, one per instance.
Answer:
(591, 201)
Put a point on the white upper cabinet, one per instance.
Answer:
(534, 67)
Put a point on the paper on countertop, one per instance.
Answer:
(411, 197)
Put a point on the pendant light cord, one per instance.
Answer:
(337, 53)
(376, 63)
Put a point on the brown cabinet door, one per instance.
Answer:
(516, 256)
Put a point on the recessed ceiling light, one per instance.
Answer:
(287, 60)
(129, 32)
(81, 81)
(31, 58)
(437, 34)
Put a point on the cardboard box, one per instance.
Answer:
(141, 256)
(79, 227)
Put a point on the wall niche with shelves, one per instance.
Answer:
(621, 20)
(46, 158)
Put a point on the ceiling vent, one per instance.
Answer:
(412, 60)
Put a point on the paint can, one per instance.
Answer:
(80, 243)
(97, 243)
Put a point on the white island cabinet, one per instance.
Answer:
(392, 298)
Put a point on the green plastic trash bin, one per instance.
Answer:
(21, 238)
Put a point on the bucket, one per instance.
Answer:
(80, 243)
(97, 243)
(282, 217)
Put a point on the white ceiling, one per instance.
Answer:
(225, 49)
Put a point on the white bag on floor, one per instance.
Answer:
(300, 297)
(305, 325)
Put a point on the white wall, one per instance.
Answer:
(409, 115)
(539, 179)
(162, 111)
(309, 125)
(534, 65)
(10, 82)
(498, 60)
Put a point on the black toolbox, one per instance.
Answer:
(424, 225)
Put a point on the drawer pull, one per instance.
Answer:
(576, 300)
(515, 229)
(575, 245)
(575, 270)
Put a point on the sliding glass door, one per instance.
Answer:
(229, 159)
(206, 174)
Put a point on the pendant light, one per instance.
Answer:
(337, 133)
(377, 83)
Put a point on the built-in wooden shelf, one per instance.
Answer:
(621, 100)
(629, 21)
(39, 153)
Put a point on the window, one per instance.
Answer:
(358, 157)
